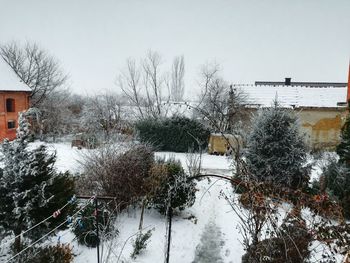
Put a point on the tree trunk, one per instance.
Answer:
(142, 212)
(17, 245)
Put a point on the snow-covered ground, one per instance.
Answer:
(189, 236)
(206, 232)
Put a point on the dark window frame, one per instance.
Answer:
(10, 105)
(11, 124)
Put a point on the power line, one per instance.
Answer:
(53, 215)
(37, 241)
(96, 218)
(19, 253)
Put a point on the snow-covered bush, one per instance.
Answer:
(123, 175)
(60, 253)
(276, 151)
(289, 243)
(336, 173)
(140, 243)
(173, 187)
(336, 182)
(84, 225)
(30, 187)
(176, 134)
(343, 149)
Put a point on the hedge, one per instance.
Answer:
(176, 134)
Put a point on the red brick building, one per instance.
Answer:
(14, 98)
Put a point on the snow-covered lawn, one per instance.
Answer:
(209, 211)
(206, 232)
(187, 235)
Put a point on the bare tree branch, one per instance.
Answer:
(177, 79)
(35, 67)
(144, 85)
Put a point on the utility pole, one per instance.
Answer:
(97, 233)
(96, 198)
(170, 217)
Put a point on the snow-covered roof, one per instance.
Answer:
(294, 96)
(8, 79)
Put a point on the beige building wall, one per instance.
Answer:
(322, 126)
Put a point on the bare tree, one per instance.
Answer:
(153, 82)
(102, 113)
(145, 85)
(177, 79)
(221, 103)
(129, 82)
(56, 118)
(35, 67)
(208, 73)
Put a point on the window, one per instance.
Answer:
(10, 105)
(11, 124)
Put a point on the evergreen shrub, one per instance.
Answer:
(31, 189)
(336, 177)
(84, 225)
(343, 149)
(172, 186)
(276, 151)
(336, 174)
(176, 134)
(140, 243)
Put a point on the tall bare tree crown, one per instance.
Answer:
(35, 67)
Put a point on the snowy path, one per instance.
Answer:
(219, 240)
(209, 249)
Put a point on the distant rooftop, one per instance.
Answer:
(8, 79)
(289, 82)
(303, 84)
(293, 96)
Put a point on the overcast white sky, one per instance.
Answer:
(308, 40)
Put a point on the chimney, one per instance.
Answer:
(287, 81)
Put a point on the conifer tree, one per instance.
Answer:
(276, 152)
(173, 187)
(337, 173)
(343, 149)
(28, 185)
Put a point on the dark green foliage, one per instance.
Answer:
(30, 187)
(313, 188)
(176, 134)
(343, 149)
(46, 189)
(61, 191)
(337, 183)
(276, 151)
(140, 243)
(337, 173)
(173, 187)
(84, 226)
